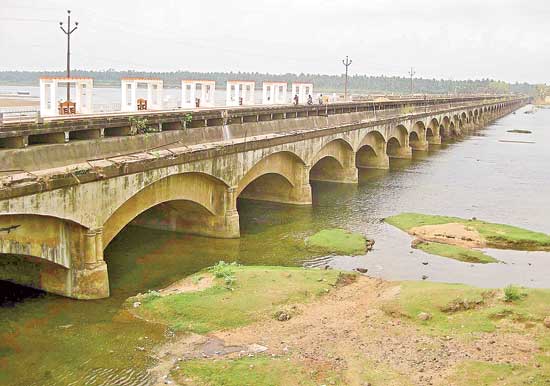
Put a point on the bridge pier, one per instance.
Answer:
(402, 152)
(434, 140)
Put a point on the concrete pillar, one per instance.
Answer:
(133, 101)
(434, 140)
(403, 152)
(90, 279)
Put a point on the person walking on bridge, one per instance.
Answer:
(296, 99)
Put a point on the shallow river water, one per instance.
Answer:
(49, 340)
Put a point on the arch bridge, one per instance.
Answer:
(55, 223)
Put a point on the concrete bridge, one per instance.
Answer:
(60, 213)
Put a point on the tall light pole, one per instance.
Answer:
(68, 32)
(411, 73)
(346, 63)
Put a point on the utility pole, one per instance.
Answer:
(346, 63)
(411, 73)
(68, 32)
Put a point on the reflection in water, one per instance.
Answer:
(49, 340)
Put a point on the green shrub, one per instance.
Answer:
(512, 293)
(225, 271)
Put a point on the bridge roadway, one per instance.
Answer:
(60, 212)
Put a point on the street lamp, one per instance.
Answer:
(68, 32)
(346, 63)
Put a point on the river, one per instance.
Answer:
(50, 340)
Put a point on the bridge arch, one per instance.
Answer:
(398, 143)
(335, 162)
(52, 254)
(417, 137)
(371, 152)
(188, 202)
(280, 177)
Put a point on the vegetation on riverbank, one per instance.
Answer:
(456, 252)
(465, 234)
(337, 241)
(240, 295)
(370, 331)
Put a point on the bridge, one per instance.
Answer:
(68, 186)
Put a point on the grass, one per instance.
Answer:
(512, 294)
(254, 371)
(456, 252)
(483, 373)
(337, 241)
(496, 235)
(461, 309)
(256, 293)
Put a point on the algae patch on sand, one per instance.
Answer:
(493, 235)
(255, 293)
(337, 241)
(456, 252)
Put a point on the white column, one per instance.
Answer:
(160, 94)
(123, 100)
(192, 94)
(133, 93)
(228, 94)
(78, 96)
(237, 93)
(53, 98)
(89, 102)
(264, 94)
(150, 95)
(274, 89)
(43, 98)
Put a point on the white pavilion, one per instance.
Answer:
(240, 93)
(303, 90)
(52, 104)
(197, 93)
(132, 102)
(274, 93)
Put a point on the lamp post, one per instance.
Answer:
(346, 63)
(68, 32)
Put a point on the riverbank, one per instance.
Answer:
(352, 330)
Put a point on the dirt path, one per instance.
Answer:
(347, 331)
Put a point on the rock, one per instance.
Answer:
(424, 316)
(424, 263)
(256, 348)
(282, 316)
(547, 322)
(415, 243)
(137, 304)
(424, 277)
(362, 270)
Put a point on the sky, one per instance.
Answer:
(468, 39)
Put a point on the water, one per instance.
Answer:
(49, 340)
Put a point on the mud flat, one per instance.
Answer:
(460, 239)
(292, 326)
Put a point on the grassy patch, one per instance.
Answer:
(256, 293)
(337, 241)
(496, 235)
(456, 252)
(483, 373)
(256, 371)
(447, 305)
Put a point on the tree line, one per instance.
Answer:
(326, 83)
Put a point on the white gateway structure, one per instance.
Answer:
(197, 93)
(274, 93)
(51, 106)
(130, 99)
(303, 90)
(239, 93)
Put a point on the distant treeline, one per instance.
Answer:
(326, 83)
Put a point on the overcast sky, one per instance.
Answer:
(501, 39)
